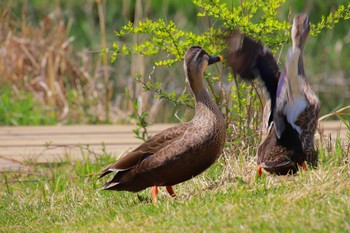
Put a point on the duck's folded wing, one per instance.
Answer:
(277, 164)
(273, 156)
(147, 149)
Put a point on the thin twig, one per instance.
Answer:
(334, 113)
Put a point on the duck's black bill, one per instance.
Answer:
(214, 59)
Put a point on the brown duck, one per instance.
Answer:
(179, 153)
(291, 117)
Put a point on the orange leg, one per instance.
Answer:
(259, 170)
(170, 191)
(154, 194)
(303, 166)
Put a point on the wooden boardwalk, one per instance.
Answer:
(46, 144)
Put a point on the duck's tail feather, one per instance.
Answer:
(249, 59)
(105, 172)
(110, 169)
(242, 55)
(109, 185)
(113, 183)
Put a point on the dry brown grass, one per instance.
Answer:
(41, 59)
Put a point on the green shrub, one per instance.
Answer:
(239, 102)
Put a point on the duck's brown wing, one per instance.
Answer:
(270, 152)
(148, 148)
(174, 158)
(280, 156)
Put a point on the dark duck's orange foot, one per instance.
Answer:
(303, 166)
(155, 193)
(259, 170)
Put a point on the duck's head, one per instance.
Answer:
(196, 61)
(300, 30)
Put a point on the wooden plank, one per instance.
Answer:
(77, 129)
(6, 164)
(333, 129)
(43, 144)
(68, 140)
(61, 153)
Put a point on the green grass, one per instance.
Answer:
(21, 108)
(227, 198)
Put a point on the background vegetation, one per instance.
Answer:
(52, 71)
(51, 57)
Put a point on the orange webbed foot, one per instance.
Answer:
(154, 194)
(303, 166)
(259, 170)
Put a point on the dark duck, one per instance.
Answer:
(290, 118)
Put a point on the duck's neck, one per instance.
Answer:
(203, 102)
(301, 70)
(202, 97)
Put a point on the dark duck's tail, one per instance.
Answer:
(250, 59)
